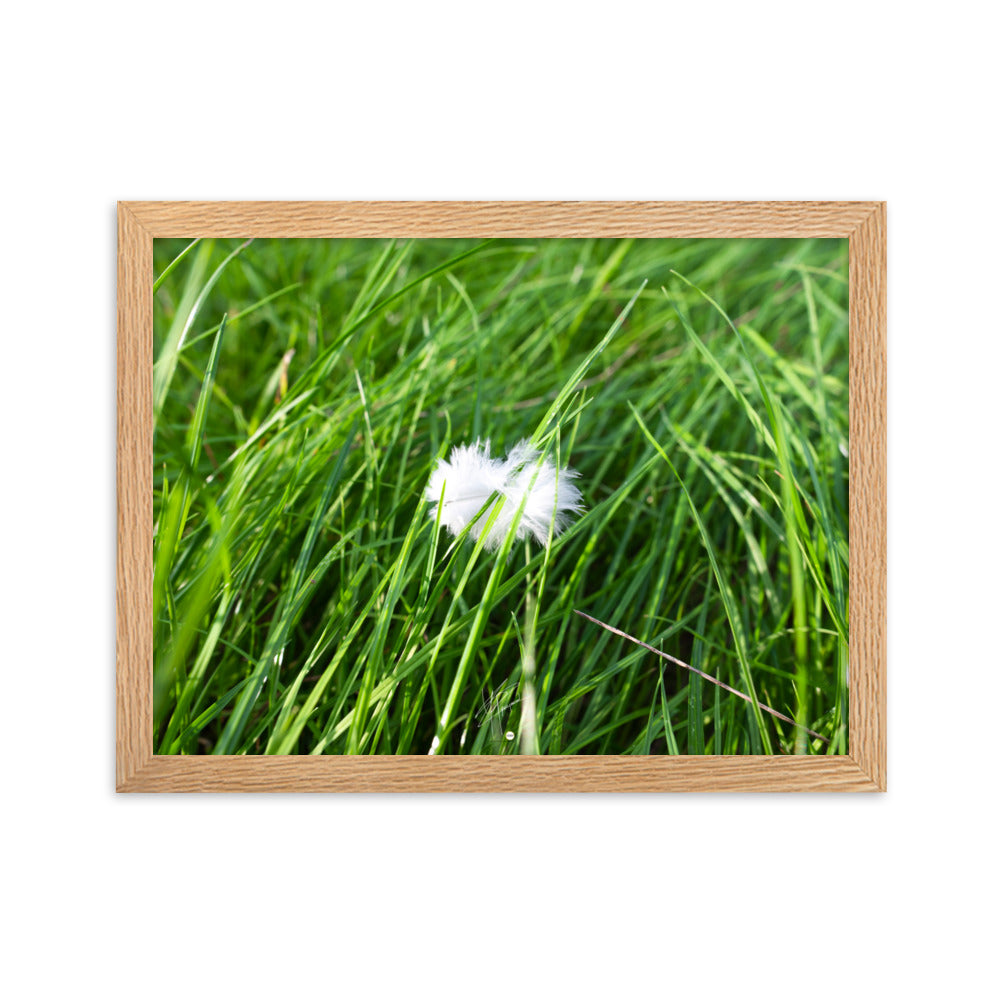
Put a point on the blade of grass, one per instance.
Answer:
(701, 673)
(166, 361)
(728, 599)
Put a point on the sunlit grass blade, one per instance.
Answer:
(197, 293)
(725, 588)
(757, 706)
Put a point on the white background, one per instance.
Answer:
(612, 896)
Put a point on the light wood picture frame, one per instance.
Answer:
(863, 768)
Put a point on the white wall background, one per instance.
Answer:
(807, 896)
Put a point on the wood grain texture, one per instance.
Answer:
(863, 223)
(867, 513)
(134, 476)
(242, 220)
(500, 774)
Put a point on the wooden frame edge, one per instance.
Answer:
(863, 223)
(500, 774)
(868, 480)
(134, 480)
(513, 219)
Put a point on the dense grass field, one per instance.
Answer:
(305, 602)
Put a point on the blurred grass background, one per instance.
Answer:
(305, 603)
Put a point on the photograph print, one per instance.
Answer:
(500, 496)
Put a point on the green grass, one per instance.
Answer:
(306, 603)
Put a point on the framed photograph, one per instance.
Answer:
(510, 496)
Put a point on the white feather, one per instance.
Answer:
(470, 476)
